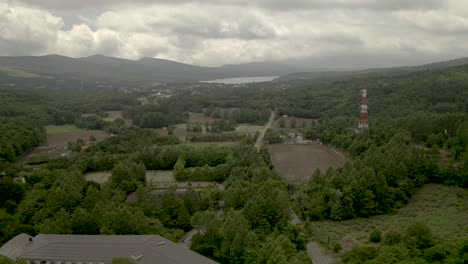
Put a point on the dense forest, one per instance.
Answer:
(418, 134)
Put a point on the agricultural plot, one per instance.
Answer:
(59, 136)
(152, 177)
(158, 180)
(57, 141)
(113, 115)
(160, 176)
(206, 144)
(199, 118)
(297, 163)
(442, 208)
(248, 129)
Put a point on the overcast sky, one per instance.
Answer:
(321, 33)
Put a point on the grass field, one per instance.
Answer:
(98, 177)
(443, 208)
(17, 72)
(298, 162)
(248, 129)
(61, 129)
(151, 176)
(199, 118)
(160, 176)
(205, 144)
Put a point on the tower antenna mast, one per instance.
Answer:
(364, 117)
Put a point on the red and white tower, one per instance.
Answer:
(364, 118)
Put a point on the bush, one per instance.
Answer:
(392, 238)
(375, 236)
(337, 247)
(436, 254)
(419, 236)
(360, 254)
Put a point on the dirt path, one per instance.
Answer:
(259, 142)
(186, 241)
(313, 248)
(315, 254)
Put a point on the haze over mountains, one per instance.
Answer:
(99, 67)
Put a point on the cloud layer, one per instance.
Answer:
(215, 32)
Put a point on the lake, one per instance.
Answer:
(243, 80)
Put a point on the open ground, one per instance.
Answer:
(58, 138)
(297, 163)
(157, 180)
(443, 208)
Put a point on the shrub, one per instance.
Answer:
(360, 254)
(419, 236)
(375, 236)
(392, 238)
(337, 247)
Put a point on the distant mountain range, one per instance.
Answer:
(147, 70)
(393, 71)
(101, 67)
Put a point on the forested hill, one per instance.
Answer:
(144, 70)
(374, 72)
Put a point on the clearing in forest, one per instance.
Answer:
(297, 162)
(152, 176)
(442, 208)
(199, 118)
(57, 141)
(248, 129)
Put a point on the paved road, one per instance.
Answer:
(259, 142)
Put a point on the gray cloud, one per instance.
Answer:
(327, 32)
(267, 4)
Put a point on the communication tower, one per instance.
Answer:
(364, 117)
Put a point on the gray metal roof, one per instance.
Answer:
(143, 249)
(13, 248)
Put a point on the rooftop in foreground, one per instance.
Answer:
(141, 249)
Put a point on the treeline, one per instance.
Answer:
(444, 91)
(18, 136)
(216, 137)
(239, 115)
(95, 122)
(155, 115)
(50, 107)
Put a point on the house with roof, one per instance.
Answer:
(98, 249)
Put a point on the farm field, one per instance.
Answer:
(151, 176)
(442, 208)
(205, 144)
(158, 180)
(180, 131)
(199, 118)
(297, 163)
(248, 129)
(58, 138)
(113, 115)
(61, 129)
